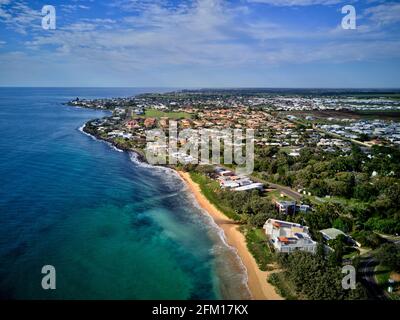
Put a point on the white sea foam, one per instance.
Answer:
(170, 176)
(85, 133)
(114, 147)
(220, 232)
(160, 169)
(94, 138)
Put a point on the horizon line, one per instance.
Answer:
(198, 87)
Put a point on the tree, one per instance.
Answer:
(314, 278)
(368, 239)
(363, 137)
(338, 246)
(393, 194)
(259, 219)
(205, 169)
(318, 187)
(385, 225)
(337, 188)
(389, 255)
(365, 191)
(343, 223)
(323, 216)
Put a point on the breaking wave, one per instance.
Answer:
(221, 246)
(94, 138)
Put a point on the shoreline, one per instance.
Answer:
(257, 283)
(259, 288)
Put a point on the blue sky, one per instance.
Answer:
(200, 43)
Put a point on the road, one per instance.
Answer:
(390, 238)
(286, 190)
(367, 270)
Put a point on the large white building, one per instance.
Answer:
(288, 236)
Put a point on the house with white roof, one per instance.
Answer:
(252, 186)
(288, 237)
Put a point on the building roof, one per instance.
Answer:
(284, 224)
(332, 233)
(250, 187)
(285, 203)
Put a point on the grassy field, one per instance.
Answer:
(350, 203)
(257, 244)
(153, 113)
(276, 195)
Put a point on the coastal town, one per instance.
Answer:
(276, 118)
(200, 158)
(321, 170)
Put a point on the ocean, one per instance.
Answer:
(112, 227)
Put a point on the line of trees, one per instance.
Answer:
(316, 278)
(372, 180)
(313, 276)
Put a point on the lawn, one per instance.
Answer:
(351, 203)
(276, 195)
(153, 113)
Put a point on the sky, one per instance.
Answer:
(200, 43)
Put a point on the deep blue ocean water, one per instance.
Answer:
(112, 227)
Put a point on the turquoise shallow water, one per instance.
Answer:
(112, 228)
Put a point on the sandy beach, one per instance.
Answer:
(259, 287)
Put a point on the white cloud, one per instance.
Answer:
(199, 35)
(204, 33)
(384, 14)
(69, 8)
(18, 16)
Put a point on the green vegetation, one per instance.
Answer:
(305, 276)
(317, 278)
(251, 208)
(389, 256)
(368, 239)
(123, 143)
(282, 285)
(257, 243)
(210, 189)
(382, 275)
(153, 113)
(363, 188)
(277, 195)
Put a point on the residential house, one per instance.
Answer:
(333, 233)
(288, 237)
(286, 207)
(150, 122)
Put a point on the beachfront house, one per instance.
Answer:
(288, 237)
